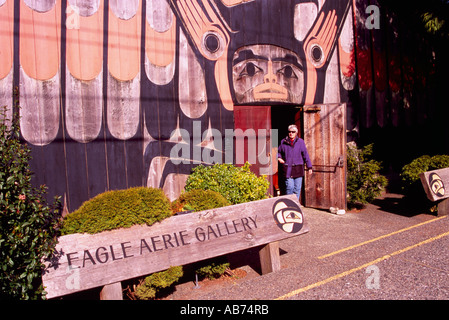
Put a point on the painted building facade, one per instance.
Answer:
(111, 91)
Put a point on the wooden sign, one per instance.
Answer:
(436, 184)
(85, 261)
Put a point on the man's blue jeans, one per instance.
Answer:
(293, 185)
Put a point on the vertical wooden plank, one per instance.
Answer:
(269, 258)
(123, 84)
(84, 73)
(443, 207)
(7, 57)
(112, 292)
(327, 152)
(332, 155)
(39, 70)
(77, 175)
(325, 137)
(6, 37)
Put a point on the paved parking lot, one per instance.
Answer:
(381, 252)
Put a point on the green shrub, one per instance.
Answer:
(213, 268)
(199, 200)
(28, 225)
(149, 287)
(364, 183)
(410, 172)
(118, 209)
(236, 184)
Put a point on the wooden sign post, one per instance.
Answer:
(85, 261)
(436, 186)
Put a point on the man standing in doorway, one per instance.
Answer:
(292, 154)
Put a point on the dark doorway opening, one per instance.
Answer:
(281, 117)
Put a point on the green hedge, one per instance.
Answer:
(118, 209)
(199, 200)
(236, 184)
(410, 172)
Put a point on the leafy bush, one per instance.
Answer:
(149, 287)
(199, 200)
(410, 172)
(28, 225)
(118, 209)
(236, 184)
(364, 183)
(213, 268)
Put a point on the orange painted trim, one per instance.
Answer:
(124, 45)
(6, 37)
(222, 81)
(160, 46)
(40, 41)
(323, 35)
(84, 55)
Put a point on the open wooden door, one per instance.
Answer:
(325, 138)
(253, 140)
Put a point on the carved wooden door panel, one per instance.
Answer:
(325, 138)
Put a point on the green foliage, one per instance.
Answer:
(364, 183)
(199, 200)
(236, 184)
(28, 225)
(411, 183)
(118, 209)
(213, 268)
(149, 287)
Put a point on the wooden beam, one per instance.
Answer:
(112, 292)
(270, 260)
(443, 207)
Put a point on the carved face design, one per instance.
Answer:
(267, 73)
(288, 216)
(436, 184)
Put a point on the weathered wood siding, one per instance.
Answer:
(108, 88)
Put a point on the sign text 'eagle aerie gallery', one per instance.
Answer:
(85, 261)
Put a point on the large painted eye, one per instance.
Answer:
(288, 72)
(250, 70)
(213, 44)
(317, 53)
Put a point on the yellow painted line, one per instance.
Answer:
(379, 238)
(345, 273)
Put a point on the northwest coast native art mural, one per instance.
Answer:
(107, 89)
